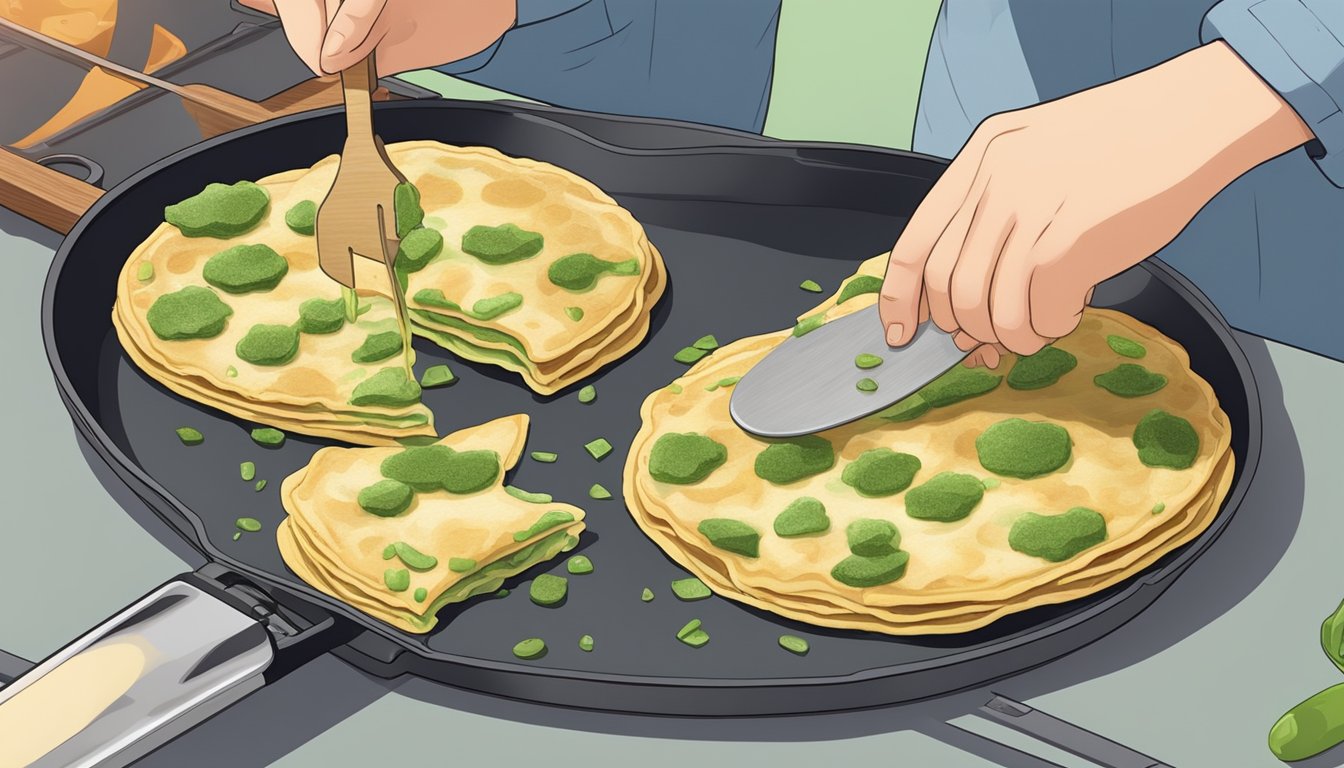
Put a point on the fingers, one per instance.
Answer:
(353, 34)
(1010, 293)
(986, 355)
(973, 275)
(305, 24)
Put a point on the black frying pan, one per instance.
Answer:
(741, 220)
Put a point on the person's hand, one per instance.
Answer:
(1044, 203)
(408, 34)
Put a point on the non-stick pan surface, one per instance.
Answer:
(741, 222)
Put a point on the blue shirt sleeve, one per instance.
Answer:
(1294, 45)
(706, 61)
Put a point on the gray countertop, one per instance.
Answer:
(1196, 680)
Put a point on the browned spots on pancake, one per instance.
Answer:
(301, 258)
(183, 261)
(142, 300)
(304, 382)
(512, 193)
(580, 233)
(437, 190)
(555, 214)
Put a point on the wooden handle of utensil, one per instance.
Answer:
(358, 83)
(45, 195)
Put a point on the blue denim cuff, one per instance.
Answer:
(529, 12)
(1294, 45)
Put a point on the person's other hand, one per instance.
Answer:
(1044, 203)
(330, 36)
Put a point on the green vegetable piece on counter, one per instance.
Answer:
(502, 593)
(1165, 440)
(881, 472)
(386, 498)
(249, 524)
(958, 384)
(946, 497)
(529, 649)
(302, 217)
(866, 361)
(189, 435)
(794, 644)
(260, 486)
(544, 523)
(579, 272)
(435, 467)
(531, 498)
(413, 558)
(1057, 538)
(646, 595)
(237, 536)
(579, 565)
(809, 324)
(461, 564)
(321, 316)
(406, 205)
(690, 589)
(420, 594)
(437, 376)
(586, 643)
(145, 272)
(493, 306)
(548, 590)
(245, 268)
(598, 448)
(388, 387)
(588, 394)
(504, 244)
(685, 458)
(859, 286)
(726, 381)
(731, 536)
(220, 210)
(598, 492)
(866, 385)
(574, 313)
(247, 470)
(1041, 369)
(909, 409)
(810, 286)
(1023, 449)
(802, 517)
(418, 248)
(397, 579)
(692, 634)
(1130, 380)
(269, 345)
(545, 457)
(689, 355)
(191, 313)
(788, 461)
(377, 347)
(859, 571)
(1126, 347)
(268, 436)
(869, 537)
(706, 342)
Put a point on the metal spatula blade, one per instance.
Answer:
(808, 383)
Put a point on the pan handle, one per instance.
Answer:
(159, 667)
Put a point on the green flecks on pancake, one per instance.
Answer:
(504, 244)
(145, 272)
(870, 537)
(802, 517)
(859, 571)
(302, 217)
(1126, 347)
(269, 344)
(418, 248)
(809, 324)
(859, 286)
(789, 461)
(544, 523)
(406, 206)
(377, 346)
(579, 272)
(958, 384)
(321, 316)
(1130, 380)
(461, 564)
(908, 409)
(1041, 369)
(397, 579)
(946, 497)
(386, 498)
(574, 313)
(438, 467)
(412, 557)
(190, 313)
(388, 387)
(1023, 449)
(1165, 440)
(245, 268)
(1057, 538)
(484, 309)
(731, 536)
(685, 458)
(881, 472)
(220, 210)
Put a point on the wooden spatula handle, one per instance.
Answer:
(42, 194)
(358, 83)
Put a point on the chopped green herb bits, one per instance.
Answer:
(220, 210)
(1056, 538)
(809, 324)
(866, 361)
(646, 595)
(386, 498)
(685, 458)
(231, 372)
(674, 388)
(731, 535)
(579, 272)
(434, 467)
(859, 286)
(588, 394)
(321, 316)
(247, 470)
(420, 594)
(504, 244)
(548, 590)
(946, 497)
(870, 537)
(414, 558)
(597, 448)
(860, 571)
(302, 217)
(493, 306)
(437, 376)
(689, 355)
(1164, 440)
(245, 268)
(707, 342)
(260, 486)
(377, 347)
(191, 313)
(145, 272)
(726, 381)
(1041, 369)
(268, 344)
(959, 383)
(417, 249)
(802, 517)
(397, 579)
(810, 286)
(461, 564)
(190, 435)
(909, 409)
(545, 457)
(574, 313)
(881, 472)
(237, 536)
(690, 589)
(544, 523)
(1159, 507)
(794, 644)
(866, 385)
(533, 498)
(1023, 449)
(268, 436)
(692, 634)
(406, 208)
(789, 461)
(502, 593)
(586, 643)
(249, 524)
(388, 387)
(1126, 347)
(531, 648)
(579, 565)
(1130, 380)
(598, 492)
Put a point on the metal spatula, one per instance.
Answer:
(809, 383)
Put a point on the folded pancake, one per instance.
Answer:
(399, 533)
(986, 493)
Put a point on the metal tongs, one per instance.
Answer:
(358, 215)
